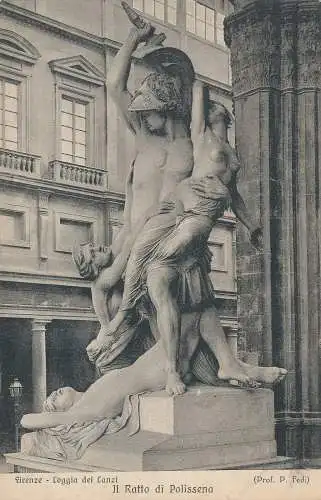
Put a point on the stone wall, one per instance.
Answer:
(275, 51)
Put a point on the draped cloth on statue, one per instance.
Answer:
(152, 250)
(195, 293)
(69, 442)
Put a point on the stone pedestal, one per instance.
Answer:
(276, 72)
(206, 428)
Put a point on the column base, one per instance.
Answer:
(299, 436)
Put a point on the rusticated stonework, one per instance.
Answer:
(254, 42)
(309, 47)
(288, 49)
(276, 74)
(263, 40)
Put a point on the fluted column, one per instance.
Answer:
(276, 71)
(39, 365)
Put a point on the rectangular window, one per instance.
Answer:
(9, 114)
(205, 22)
(12, 226)
(74, 232)
(73, 229)
(74, 130)
(164, 10)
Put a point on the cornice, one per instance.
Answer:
(52, 187)
(39, 278)
(46, 313)
(14, 46)
(259, 9)
(219, 87)
(46, 23)
(78, 67)
(59, 28)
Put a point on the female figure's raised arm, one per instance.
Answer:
(198, 118)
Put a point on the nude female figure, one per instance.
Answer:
(105, 397)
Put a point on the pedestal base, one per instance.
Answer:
(206, 428)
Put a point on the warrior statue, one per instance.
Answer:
(182, 179)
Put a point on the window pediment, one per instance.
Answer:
(78, 67)
(14, 46)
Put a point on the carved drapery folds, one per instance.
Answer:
(309, 46)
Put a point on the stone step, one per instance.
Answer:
(18, 462)
(205, 408)
(147, 451)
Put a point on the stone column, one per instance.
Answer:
(276, 71)
(39, 366)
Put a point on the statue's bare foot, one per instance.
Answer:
(187, 378)
(264, 374)
(175, 385)
(236, 376)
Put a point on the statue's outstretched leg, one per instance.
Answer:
(229, 367)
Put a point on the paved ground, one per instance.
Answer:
(4, 469)
(6, 446)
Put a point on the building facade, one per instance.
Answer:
(64, 155)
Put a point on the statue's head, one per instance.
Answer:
(158, 96)
(61, 400)
(90, 260)
(215, 111)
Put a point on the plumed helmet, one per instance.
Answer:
(158, 92)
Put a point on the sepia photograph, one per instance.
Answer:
(160, 242)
